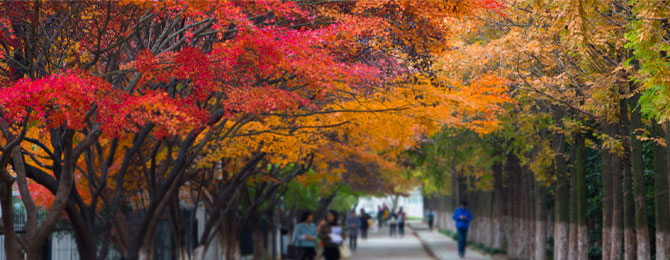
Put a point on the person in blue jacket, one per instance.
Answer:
(305, 236)
(462, 216)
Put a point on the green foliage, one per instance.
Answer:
(454, 151)
(302, 196)
(343, 201)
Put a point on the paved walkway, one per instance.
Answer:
(441, 246)
(380, 246)
(413, 246)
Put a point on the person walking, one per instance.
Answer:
(330, 235)
(353, 225)
(401, 222)
(462, 216)
(430, 216)
(393, 224)
(364, 219)
(386, 214)
(304, 237)
(380, 217)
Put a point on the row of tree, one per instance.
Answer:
(118, 114)
(581, 157)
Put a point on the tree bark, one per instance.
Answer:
(616, 232)
(11, 245)
(322, 208)
(607, 201)
(561, 200)
(540, 245)
(580, 165)
(498, 231)
(641, 221)
(662, 200)
(259, 241)
(628, 198)
(572, 242)
(65, 183)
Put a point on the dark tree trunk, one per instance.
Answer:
(322, 208)
(662, 199)
(641, 221)
(498, 215)
(607, 201)
(628, 197)
(580, 165)
(540, 246)
(572, 242)
(11, 246)
(562, 201)
(616, 233)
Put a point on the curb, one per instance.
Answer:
(438, 251)
(427, 246)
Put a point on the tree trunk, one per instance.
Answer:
(562, 201)
(498, 229)
(199, 253)
(572, 242)
(146, 250)
(540, 245)
(662, 199)
(607, 201)
(513, 172)
(229, 240)
(641, 221)
(580, 165)
(322, 208)
(616, 233)
(259, 242)
(628, 199)
(529, 213)
(178, 229)
(11, 246)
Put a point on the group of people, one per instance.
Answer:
(329, 233)
(394, 219)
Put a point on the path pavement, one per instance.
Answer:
(441, 246)
(380, 246)
(411, 247)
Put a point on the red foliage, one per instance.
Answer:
(61, 99)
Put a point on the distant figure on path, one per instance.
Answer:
(353, 224)
(462, 216)
(401, 222)
(330, 234)
(387, 213)
(393, 224)
(430, 216)
(304, 237)
(380, 217)
(364, 218)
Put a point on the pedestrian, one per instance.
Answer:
(380, 217)
(353, 225)
(304, 237)
(462, 216)
(393, 224)
(430, 216)
(364, 218)
(386, 214)
(401, 222)
(330, 235)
